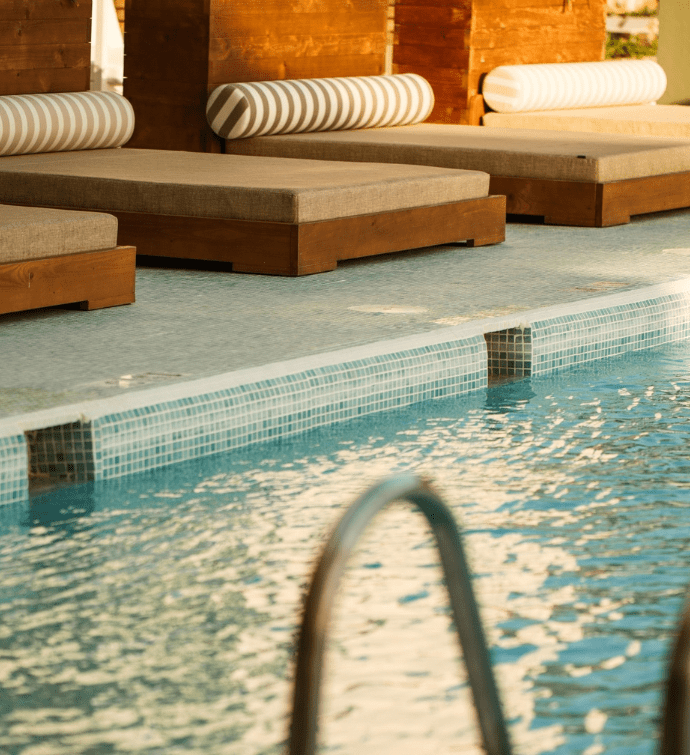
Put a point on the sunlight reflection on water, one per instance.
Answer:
(157, 614)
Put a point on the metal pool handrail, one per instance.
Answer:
(675, 727)
(319, 602)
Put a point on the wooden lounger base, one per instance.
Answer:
(91, 280)
(302, 249)
(597, 205)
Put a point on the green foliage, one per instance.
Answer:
(646, 11)
(634, 46)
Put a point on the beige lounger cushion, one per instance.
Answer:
(506, 152)
(28, 233)
(228, 186)
(638, 120)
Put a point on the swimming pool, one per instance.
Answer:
(156, 614)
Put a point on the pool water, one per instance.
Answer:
(157, 614)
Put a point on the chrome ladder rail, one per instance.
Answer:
(675, 726)
(319, 602)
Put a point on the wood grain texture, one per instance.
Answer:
(621, 199)
(90, 279)
(45, 46)
(580, 203)
(477, 221)
(46, 31)
(303, 249)
(45, 9)
(201, 44)
(273, 69)
(34, 81)
(478, 35)
(23, 56)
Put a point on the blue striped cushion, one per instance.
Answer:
(32, 123)
(557, 86)
(298, 105)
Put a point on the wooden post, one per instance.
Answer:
(178, 51)
(454, 43)
(45, 46)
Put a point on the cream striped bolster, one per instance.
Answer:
(298, 105)
(31, 123)
(556, 86)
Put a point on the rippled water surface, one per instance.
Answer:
(157, 614)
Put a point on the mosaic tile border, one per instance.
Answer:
(14, 480)
(563, 342)
(147, 429)
(169, 432)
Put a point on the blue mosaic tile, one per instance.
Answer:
(164, 430)
(563, 342)
(169, 432)
(14, 481)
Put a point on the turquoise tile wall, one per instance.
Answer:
(562, 342)
(170, 432)
(14, 480)
(159, 430)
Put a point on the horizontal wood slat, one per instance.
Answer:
(320, 21)
(91, 279)
(486, 60)
(512, 19)
(433, 17)
(44, 9)
(287, 45)
(45, 80)
(560, 37)
(46, 31)
(268, 69)
(25, 56)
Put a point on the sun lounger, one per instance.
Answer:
(52, 257)
(261, 215)
(608, 97)
(566, 178)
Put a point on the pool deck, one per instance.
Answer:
(206, 360)
(189, 324)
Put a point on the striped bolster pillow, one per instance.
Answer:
(555, 86)
(298, 105)
(31, 123)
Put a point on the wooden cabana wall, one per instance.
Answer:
(178, 51)
(454, 43)
(45, 46)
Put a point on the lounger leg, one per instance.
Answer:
(486, 240)
(113, 301)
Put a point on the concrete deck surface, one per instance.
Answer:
(188, 324)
